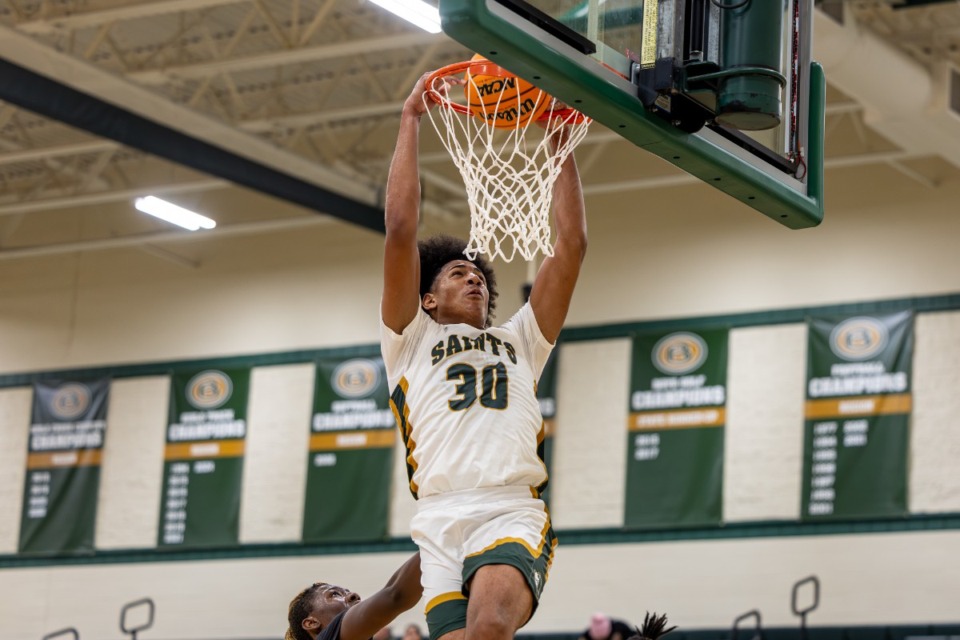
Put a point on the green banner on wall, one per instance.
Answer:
(547, 395)
(857, 416)
(67, 428)
(675, 430)
(350, 462)
(203, 460)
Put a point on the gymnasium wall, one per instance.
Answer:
(673, 253)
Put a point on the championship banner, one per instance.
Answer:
(857, 417)
(203, 460)
(547, 396)
(675, 430)
(67, 428)
(350, 462)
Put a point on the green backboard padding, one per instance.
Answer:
(526, 50)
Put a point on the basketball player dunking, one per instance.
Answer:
(464, 395)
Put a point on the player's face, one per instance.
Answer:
(459, 294)
(329, 600)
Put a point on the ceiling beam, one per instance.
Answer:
(166, 236)
(297, 121)
(300, 120)
(56, 85)
(71, 201)
(84, 77)
(97, 18)
(43, 153)
(910, 4)
(348, 49)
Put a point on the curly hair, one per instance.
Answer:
(437, 251)
(298, 611)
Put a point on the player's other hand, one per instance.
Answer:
(426, 92)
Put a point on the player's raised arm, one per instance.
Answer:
(402, 592)
(557, 277)
(401, 262)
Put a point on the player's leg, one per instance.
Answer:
(446, 613)
(454, 635)
(500, 603)
(441, 571)
(446, 606)
(507, 561)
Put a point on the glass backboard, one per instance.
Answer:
(723, 89)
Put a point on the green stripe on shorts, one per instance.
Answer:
(446, 617)
(514, 554)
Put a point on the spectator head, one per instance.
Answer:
(412, 632)
(600, 626)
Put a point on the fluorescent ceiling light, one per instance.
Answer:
(172, 213)
(420, 13)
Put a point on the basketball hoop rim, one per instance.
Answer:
(485, 67)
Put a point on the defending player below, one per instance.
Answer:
(464, 394)
(329, 612)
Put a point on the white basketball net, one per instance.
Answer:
(508, 173)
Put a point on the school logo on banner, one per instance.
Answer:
(859, 339)
(209, 389)
(357, 378)
(679, 353)
(70, 401)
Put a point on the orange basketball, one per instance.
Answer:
(500, 98)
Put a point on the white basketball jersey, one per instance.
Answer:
(465, 401)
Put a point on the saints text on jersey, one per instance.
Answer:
(458, 344)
